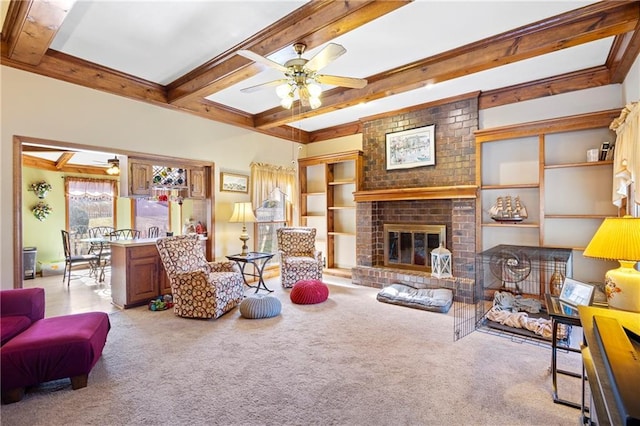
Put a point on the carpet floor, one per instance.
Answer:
(350, 360)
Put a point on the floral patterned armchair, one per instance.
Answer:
(299, 259)
(200, 289)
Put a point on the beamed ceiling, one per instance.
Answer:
(182, 55)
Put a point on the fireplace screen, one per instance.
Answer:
(409, 246)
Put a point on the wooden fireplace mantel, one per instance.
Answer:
(422, 193)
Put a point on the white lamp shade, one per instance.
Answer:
(242, 213)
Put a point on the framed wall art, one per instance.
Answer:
(232, 182)
(411, 148)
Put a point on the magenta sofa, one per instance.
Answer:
(36, 349)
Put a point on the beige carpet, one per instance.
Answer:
(348, 361)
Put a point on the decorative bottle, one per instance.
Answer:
(557, 279)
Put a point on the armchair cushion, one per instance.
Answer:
(200, 289)
(19, 308)
(299, 260)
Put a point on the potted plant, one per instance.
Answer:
(41, 210)
(41, 188)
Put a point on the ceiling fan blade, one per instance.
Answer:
(261, 59)
(334, 80)
(257, 87)
(330, 53)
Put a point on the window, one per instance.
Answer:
(271, 215)
(90, 203)
(150, 213)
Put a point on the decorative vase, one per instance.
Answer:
(556, 281)
(41, 194)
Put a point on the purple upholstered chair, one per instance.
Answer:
(37, 349)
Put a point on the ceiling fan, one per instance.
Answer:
(112, 164)
(302, 75)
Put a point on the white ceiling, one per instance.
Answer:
(162, 40)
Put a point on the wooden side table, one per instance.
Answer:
(259, 261)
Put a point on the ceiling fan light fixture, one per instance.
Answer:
(114, 166)
(287, 101)
(284, 90)
(315, 90)
(314, 102)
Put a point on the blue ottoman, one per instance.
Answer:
(260, 306)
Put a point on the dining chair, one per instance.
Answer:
(92, 260)
(102, 247)
(126, 234)
(153, 232)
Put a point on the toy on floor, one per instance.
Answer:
(161, 303)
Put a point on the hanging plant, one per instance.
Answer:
(41, 188)
(41, 211)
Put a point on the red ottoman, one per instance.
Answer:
(53, 348)
(309, 292)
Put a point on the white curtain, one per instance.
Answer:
(626, 156)
(266, 177)
(90, 189)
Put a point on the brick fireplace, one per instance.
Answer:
(443, 194)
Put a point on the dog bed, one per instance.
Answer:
(428, 299)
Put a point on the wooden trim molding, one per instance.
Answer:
(554, 125)
(421, 193)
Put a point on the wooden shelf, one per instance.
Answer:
(511, 186)
(339, 175)
(586, 164)
(577, 191)
(576, 216)
(350, 234)
(343, 182)
(517, 225)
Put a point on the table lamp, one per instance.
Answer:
(243, 213)
(618, 238)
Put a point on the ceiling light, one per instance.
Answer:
(287, 101)
(308, 92)
(314, 90)
(314, 102)
(283, 90)
(114, 166)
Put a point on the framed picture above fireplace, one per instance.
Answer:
(411, 148)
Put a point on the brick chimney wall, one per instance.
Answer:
(455, 147)
(455, 160)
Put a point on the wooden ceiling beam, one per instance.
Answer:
(590, 23)
(39, 163)
(579, 80)
(623, 62)
(313, 24)
(31, 27)
(63, 160)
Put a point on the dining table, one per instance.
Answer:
(101, 244)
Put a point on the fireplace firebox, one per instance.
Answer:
(408, 246)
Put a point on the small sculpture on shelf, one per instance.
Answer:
(506, 212)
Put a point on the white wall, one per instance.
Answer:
(631, 84)
(345, 143)
(572, 103)
(42, 107)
